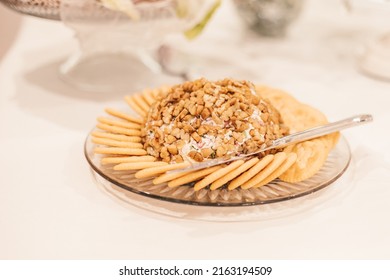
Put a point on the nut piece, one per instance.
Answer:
(206, 153)
(172, 149)
(195, 156)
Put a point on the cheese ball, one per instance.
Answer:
(200, 120)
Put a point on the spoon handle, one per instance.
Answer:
(320, 131)
(290, 139)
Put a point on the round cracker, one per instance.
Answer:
(277, 97)
(309, 116)
(311, 156)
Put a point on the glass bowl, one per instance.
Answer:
(116, 52)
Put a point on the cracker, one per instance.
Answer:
(296, 115)
(149, 172)
(130, 101)
(118, 137)
(138, 98)
(123, 116)
(230, 176)
(124, 124)
(278, 159)
(121, 151)
(278, 98)
(308, 116)
(120, 159)
(114, 143)
(251, 172)
(148, 96)
(291, 158)
(139, 165)
(311, 155)
(163, 91)
(156, 92)
(333, 139)
(193, 176)
(119, 130)
(169, 177)
(217, 174)
(123, 138)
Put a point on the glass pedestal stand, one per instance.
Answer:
(117, 52)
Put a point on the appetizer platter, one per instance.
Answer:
(153, 146)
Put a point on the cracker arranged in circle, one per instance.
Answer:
(122, 159)
(290, 160)
(122, 145)
(231, 175)
(217, 174)
(276, 162)
(239, 181)
(153, 171)
(139, 165)
(193, 176)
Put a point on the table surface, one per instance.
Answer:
(51, 208)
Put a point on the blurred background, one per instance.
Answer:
(167, 43)
(9, 26)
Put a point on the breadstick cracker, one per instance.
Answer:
(139, 165)
(149, 172)
(124, 124)
(217, 174)
(130, 101)
(278, 159)
(123, 116)
(291, 158)
(169, 177)
(108, 160)
(147, 94)
(120, 130)
(118, 137)
(251, 172)
(141, 102)
(230, 176)
(193, 176)
(114, 143)
(121, 151)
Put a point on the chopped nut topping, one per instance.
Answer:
(201, 120)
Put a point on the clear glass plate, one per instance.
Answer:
(180, 201)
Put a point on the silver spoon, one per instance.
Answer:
(289, 139)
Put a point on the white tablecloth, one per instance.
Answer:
(51, 208)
